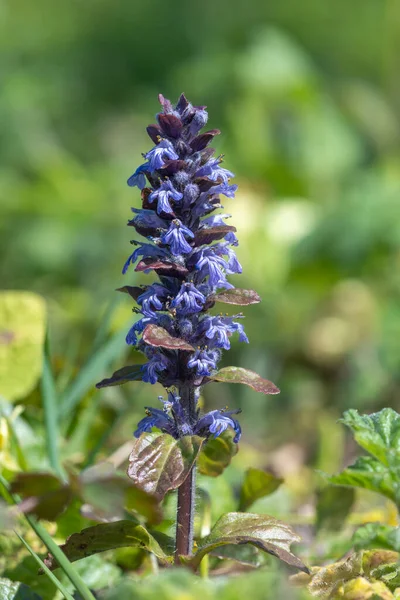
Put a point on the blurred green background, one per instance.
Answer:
(307, 96)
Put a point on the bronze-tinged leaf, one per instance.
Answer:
(133, 291)
(108, 536)
(159, 337)
(43, 494)
(216, 454)
(245, 376)
(237, 296)
(170, 167)
(162, 268)
(159, 463)
(257, 484)
(170, 125)
(264, 532)
(202, 140)
(210, 234)
(128, 373)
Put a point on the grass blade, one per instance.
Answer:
(52, 547)
(49, 573)
(91, 372)
(49, 399)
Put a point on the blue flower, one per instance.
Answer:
(138, 178)
(152, 299)
(203, 362)
(147, 219)
(156, 418)
(216, 422)
(151, 370)
(212, 266)
(163, 151)
(225, 189)
(215, 329)
(213, 171)
(138, 327)
(175, 238)
(147, 250)
(164, 193)
(188, 300)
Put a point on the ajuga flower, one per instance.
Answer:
(190, 246)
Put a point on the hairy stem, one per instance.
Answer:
(187, 491)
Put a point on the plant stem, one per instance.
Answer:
(185, 516)
(187, 491)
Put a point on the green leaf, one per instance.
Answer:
(108, 536)
(159, 463)
(129, 373)
(375, 535)
(13, 590)
(109, 492)
(50, 405)
(159, 337)
(264, 532)
(22, 333)
(333, 506)
(378, 433)
(245, 376)
(367, 473)
(237, 296)
(46, 570)
(256, 485)
(327, 579)
(216, 454)
(245, 554)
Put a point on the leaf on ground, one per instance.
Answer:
(245, 376)
(22, 334)
(216, 454)
(264, 532)
(108, 536)
(129, 373)
(43, 494)
(257, 484)
(159, 463)
(159, 337)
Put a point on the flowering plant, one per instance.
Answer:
(191, 250)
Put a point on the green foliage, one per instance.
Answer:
(376, 535)
(108, 536)
(12, 590)
(245, 376)
(216, 454)
(257, 484)
(378, 434)
(333, 506)
(22, 331)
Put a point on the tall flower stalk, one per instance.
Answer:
(190, 248)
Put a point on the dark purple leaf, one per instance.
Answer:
(245, 376)
(133, 291)
(128, 373)
(210, 234)
(162, 268)
(237, 296)
(202, 140)
(204, 183)
(154, 132)
(160, 338)
(165, 103)
(182, 103)
(170, 167)
(159, 463)
(145, 193)
(170, 125)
